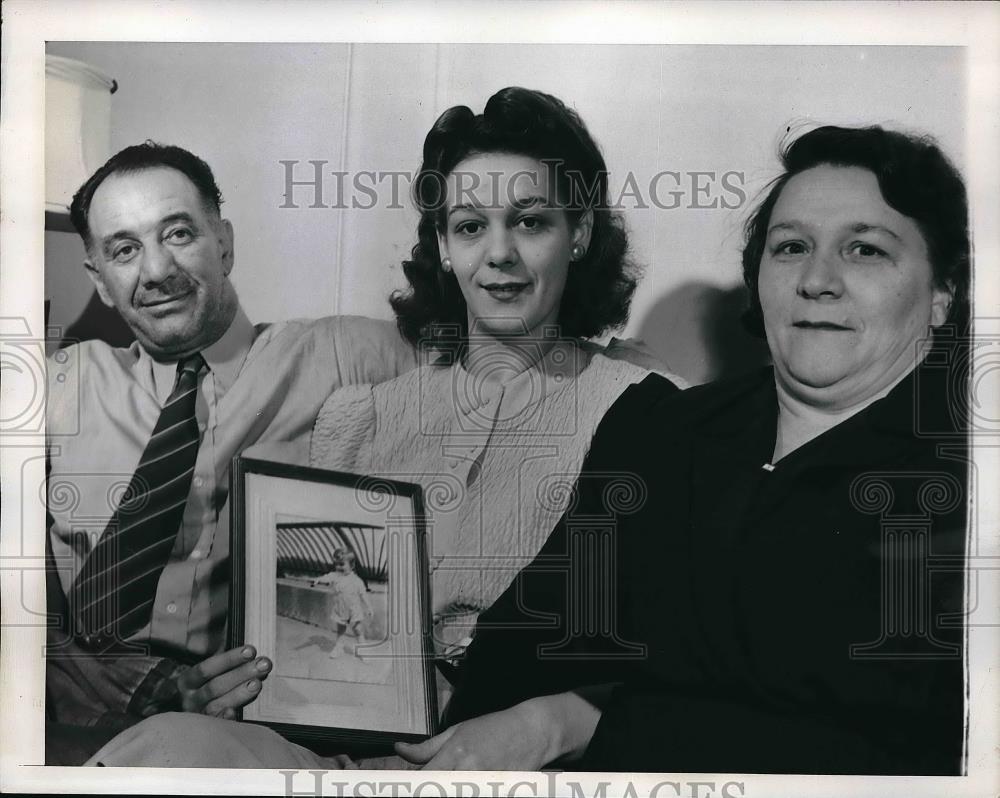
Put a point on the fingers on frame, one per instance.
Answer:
(208, 669)
(238, 697)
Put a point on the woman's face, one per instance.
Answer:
(509, 243)
(846, 288)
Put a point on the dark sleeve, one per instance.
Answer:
(562, 623)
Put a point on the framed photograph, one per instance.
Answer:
(330, 581)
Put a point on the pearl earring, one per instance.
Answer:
(446, 264)
(577, 252)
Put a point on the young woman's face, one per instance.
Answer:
(509, 243)
(846, 288)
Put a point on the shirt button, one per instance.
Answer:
(171, 608)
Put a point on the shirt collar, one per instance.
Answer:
(225, 358)
(918, 407)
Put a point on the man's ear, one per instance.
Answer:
(98, 280)
(226, 241)
(582, 229)
(941, 299)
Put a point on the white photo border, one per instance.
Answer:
(256, 488)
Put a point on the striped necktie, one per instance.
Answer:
(114, 591)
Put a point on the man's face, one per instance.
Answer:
(162, 259)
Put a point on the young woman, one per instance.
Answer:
(518, 261)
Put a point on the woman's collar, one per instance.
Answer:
(534, 380)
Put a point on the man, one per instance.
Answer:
(140, 444)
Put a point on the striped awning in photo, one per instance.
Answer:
(309, 546)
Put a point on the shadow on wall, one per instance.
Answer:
(74, 312)
(97, 321)
(696, 330)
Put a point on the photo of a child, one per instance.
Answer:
(331, 607)
(349, 604)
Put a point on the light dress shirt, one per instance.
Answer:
(263, 384)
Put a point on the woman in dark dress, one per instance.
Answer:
(771, 568)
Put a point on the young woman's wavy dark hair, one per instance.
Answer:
(516, 121)
(915, 178)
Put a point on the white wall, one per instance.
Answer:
(245, 107)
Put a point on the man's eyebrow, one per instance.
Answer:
(180, 216)
(108, 240)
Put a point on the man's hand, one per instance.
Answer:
(223, 683)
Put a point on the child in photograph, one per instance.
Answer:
(350, 604)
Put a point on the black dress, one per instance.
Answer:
(800, 618)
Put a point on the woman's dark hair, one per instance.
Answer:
(138, 157)
(915, 178)
(517, 121)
